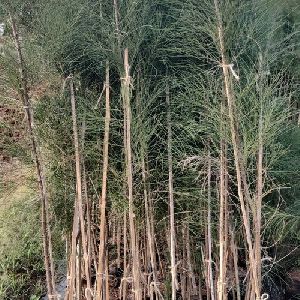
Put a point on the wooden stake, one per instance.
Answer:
(209, 235)
(171, 199)
(79, 190)
(102, 200)
(126, 82)
(243, 190)
(46, 232)
(235, 263)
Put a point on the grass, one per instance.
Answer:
(21, 264)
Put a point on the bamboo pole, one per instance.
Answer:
(191, 273)
(149, 227)
(116, 15)
(123, 289)
(79, 190)
(183, 276)
(149, 236)
(126, 82)
(235, 264)
(89, 221)
(209, 235)
(221, 283)
(78, 270)
(223, 216)
(243, 191)
(259, 192)
(171, 199)
(118, 243)
(46, 232)
(107, 292)
(102, 200)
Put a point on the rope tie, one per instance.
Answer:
(230, 66)
(88, 292)
(264, 296)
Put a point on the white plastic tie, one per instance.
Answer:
(230, 66)
(264, 296)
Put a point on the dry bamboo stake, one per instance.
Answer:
(119, 243)
(154, 284)
(223, 223)
(86, 204)
(46, 232)
(240, 170)
(72, 259)
(133, 242)
(79, 190)
(78, 271)
(259, 183)
(171, 199)
(209, 238)
(116, 12)
(127, 133)
(102, 202)
(202, 273)
(206, 265)
(226, 221)
(113, 226)
(154, 247)
(107, 293)
(221, 226)
(149, 223)
(259, 191)
(124, 283)
(88, 218)
(235, 262)
(67, 247)
(183, 277)
(189, 262)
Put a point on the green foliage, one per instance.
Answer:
(20, 245)
(172, 43)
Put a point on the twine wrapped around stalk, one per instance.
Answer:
(230, 66)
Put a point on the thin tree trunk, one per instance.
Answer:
(102, 202)
(171, 199)
(133, 242)
(46, 233)
(79, 190)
